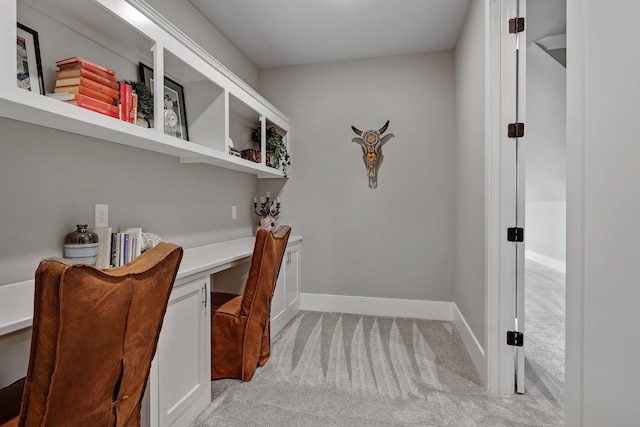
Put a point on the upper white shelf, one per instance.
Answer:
(29, 107)
(126, 33)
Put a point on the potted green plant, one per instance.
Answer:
(277, 154)
(145, 101)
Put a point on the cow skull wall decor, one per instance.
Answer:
(372, 151)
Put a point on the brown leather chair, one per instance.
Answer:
(94, 335)
(240, 332)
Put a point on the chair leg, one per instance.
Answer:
(265, 348)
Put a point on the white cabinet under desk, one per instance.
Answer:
(286, 298)
(180, 377)
(180, 382)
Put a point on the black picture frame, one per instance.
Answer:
(174, 93)
(28, 60)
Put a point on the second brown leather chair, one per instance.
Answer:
(240, 329)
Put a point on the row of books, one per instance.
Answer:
(117, 248)
(94, 87)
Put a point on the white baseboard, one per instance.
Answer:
(471, 343)
(392, 307)
(547, 261)
(433, 310)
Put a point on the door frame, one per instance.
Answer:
(496, 375)
(576, 309)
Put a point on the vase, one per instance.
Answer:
(268, 222)
(81, 245)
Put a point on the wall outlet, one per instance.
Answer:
(102, 215)
(234, 212)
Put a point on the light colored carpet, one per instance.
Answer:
(544, 331)
(331, 369)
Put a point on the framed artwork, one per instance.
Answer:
(29, 71)
(175, 117)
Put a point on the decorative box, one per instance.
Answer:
(251, 154)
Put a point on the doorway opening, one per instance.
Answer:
(545, 199)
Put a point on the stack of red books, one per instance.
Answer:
(92, 86)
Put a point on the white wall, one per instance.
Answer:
(52, 180)
(545, 156)
(470, 170)
(603, 208)
(395, 241)
(546, 226)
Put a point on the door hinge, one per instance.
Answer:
(515, 234)
(515, 130)
(515, 338)
(516, 25)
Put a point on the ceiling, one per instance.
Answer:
(547, 27)
(278, 33)
(545, 18)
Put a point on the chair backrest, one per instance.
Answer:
(94, 336)
(263, 273)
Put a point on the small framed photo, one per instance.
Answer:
(28, 60)
(175, 116)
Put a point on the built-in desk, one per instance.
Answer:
(16, 307)
(16, 299)
(179, 383)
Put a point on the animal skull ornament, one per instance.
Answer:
(372, 151)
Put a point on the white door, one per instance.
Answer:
(292, 275)
(278, 304)
(513, 108)
(521, 49)
(506, 58)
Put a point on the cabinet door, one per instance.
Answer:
(278, 302)
(286, 299)
(183, 356)
(292, 275)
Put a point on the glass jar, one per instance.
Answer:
(81, 236)
(81, 245)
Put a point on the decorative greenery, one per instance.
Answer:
(145, 99)
(275, 144)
